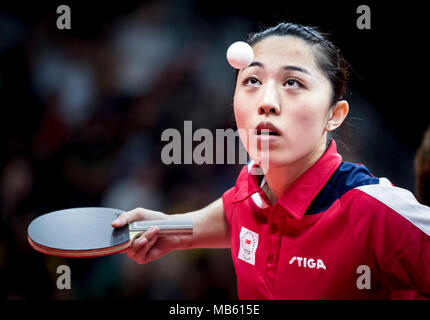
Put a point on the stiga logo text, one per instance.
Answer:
(308, 263)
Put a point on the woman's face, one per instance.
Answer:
(284, 92)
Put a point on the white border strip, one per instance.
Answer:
(402, 201)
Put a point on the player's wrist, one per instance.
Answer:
(184, 242)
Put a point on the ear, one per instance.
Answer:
(337, 115)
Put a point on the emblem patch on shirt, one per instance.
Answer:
(248, 245)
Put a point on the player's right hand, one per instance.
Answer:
(148, 246)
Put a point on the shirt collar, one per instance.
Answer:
(299, 196)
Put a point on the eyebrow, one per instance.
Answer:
(293, 68)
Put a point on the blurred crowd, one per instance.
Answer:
(99, 105)
(81, 126)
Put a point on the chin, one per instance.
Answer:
(274, 160)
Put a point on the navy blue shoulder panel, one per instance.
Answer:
(348, 176)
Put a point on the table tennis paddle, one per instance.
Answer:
(87, 232)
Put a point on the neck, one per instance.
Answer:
(280, 179)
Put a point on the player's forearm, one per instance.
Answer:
(210, 227)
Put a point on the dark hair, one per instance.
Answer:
(328, 56)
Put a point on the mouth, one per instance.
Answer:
(267, 129)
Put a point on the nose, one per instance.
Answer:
(270, 101)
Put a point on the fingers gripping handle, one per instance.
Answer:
(166, 227)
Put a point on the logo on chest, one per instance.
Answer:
(248, 245)
(308, 263)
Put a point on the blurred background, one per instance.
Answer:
(82, 112)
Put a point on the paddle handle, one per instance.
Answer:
(166, 227)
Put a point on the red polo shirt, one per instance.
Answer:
(337, 233)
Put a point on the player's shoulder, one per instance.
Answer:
(347, 177)
(378, 196)
(357, 182)
(386, 195)
(341, 186)
(377, 199)
(352, 175)
(393, 206)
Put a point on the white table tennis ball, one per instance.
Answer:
(240, 55)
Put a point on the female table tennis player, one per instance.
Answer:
(313, 226)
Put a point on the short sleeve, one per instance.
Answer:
(227, 200)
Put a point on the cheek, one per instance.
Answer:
(304, 118)
(307, 117)
(243, 117)
(242, 112)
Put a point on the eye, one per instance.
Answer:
(252, 81)
(293, 83)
